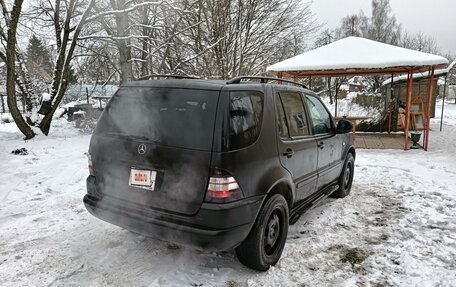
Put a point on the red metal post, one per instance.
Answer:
(407, 108)
(428, 121)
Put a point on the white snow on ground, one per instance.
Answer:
(396, 228)
(347, 107)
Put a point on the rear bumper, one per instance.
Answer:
(216, 227)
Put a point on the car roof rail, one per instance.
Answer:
(263, 80)
(166, 76)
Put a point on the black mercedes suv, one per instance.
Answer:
(216, 164)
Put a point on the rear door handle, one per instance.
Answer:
(288, 153)
(321, 145)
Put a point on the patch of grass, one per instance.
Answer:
(172, 246)
(382, 283)
(384, 237)
(232, 283)
(353, 256)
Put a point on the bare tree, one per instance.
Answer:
(67, 28)
(217, 39)
(247, 36)
(116, 25)
(11, 21)
(353, 25)
(137, 30)
(419, 42)
(383, 26)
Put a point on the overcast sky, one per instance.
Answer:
(412, 14)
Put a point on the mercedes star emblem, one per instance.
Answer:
(142, 149)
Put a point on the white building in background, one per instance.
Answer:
(450, 92)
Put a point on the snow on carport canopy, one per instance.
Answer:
(357, 56)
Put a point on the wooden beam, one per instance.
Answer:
(407, 108)
(390, 101)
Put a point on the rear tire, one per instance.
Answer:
(346, 178)
(264, 245)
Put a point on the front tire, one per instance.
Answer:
(264, 245)
(346, 177)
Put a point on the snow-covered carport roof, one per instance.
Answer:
(357, 56)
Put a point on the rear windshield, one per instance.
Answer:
(168, 116)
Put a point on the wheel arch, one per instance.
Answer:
(283, 188)
(351, 150)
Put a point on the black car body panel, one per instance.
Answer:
(185, 154)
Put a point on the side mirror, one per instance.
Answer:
(344, 126)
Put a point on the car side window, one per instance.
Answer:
(246, 113)
(320, 117)
(295, 114)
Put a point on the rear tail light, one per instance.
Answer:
(89, 157)
(222, 187)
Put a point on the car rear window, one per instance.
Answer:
(168, 116)
(245, 116)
